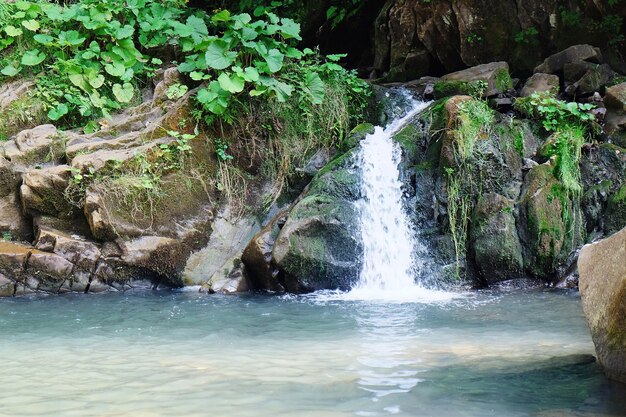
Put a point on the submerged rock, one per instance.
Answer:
(602, 268)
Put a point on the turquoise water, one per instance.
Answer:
(186, 354)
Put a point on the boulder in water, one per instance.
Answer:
(602, 268)
(319, 247)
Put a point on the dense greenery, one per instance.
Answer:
(92, 57)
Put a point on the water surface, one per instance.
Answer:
(186, 354)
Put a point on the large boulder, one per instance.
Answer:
(320, 246)
(541, 83)
(574, 54)
(497, 248)
(495, 75)
(545, 235)
(602, 269)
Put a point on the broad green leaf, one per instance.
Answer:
(222, 16)
(233, 83)
(198, 25)
(13, 31)
(33, 57)
(96, 81)
(315, 87)
(290, 29)
(58, 112)
(197, 76)
(10, 71)
(115, 69)
(251, 74)
(218, 56)
(124, 32)
(43, 39)
(274, 59)
(31, 25)
(123, 93)
(71, 38)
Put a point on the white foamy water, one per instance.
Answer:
(390, 246)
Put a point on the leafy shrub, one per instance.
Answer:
(96, 54)
(553, 112)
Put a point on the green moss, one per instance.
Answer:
(503, 80)
(408, 138)
(446, 88)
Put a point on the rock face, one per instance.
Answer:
(417, 38)
(319, 247)
(317, 243)
(494, 236)
(602, 268)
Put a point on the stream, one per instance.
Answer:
(507, 353)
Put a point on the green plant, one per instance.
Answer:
(555, 113)
(527, 36)
(473, 38)
(220, 150)
(6, 236)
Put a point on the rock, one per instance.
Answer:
(13, 91)
(495, 74)
(229, 235)
(574, 54)
(13, 257)
(602, 170)
(615, 97)
(7, 287)
(257, 256)
(229, 281)
(9, 180)
(320, 247)
(35, 146)
(496, 245)
(541, 83)
(587, 78)
(602, 268)
(43, 191)
(546, 239)
(616, 211)
(160, 259)
(12, 220)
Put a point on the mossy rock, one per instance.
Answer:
(615, 215)
(320, 247)
(543, 206)
(495, 242)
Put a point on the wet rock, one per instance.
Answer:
(161, 258)
(320, 247)
(7, 287)
(615, 97)
(574, 54)
(495, 74)
(540, 83)
(495, 241)
(602, 283)
(543, 230)
(229, 236)
(229, 281)
(257, 256)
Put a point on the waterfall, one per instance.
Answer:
(390, 244)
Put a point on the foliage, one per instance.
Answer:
(474, 121)
(527, 36)
(553, 112)
(95, 53)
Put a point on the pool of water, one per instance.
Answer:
(185, 354)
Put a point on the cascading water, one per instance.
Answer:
(389, 266)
